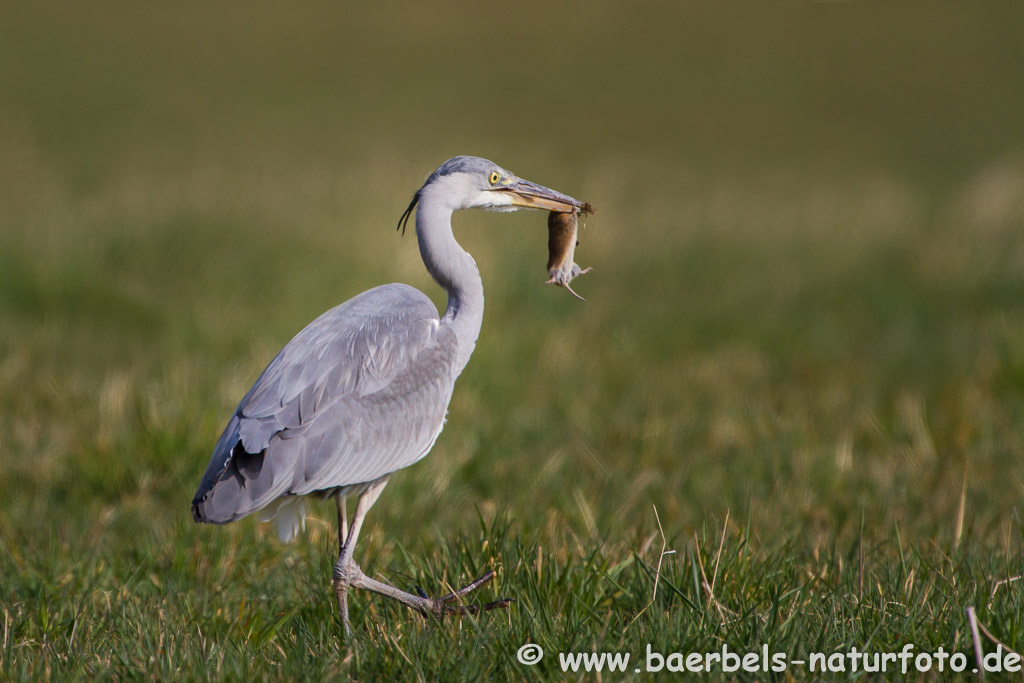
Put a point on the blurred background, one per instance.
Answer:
(806, 304)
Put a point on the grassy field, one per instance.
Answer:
(797, 386)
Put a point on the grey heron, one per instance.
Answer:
(363, 390)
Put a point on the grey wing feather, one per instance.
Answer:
(359, 393)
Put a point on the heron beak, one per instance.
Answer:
(533, 196)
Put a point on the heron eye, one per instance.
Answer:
(494, 177)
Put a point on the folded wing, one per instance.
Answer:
(359, 393)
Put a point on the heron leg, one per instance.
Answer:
(342, 521)
(348, 574)
(343, 573)
(341, 588)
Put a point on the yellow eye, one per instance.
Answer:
(494, 177)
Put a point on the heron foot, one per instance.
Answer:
(341, 591)
(344, 574)
(436, 607)
(443, 605)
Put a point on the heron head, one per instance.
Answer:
(467, 182)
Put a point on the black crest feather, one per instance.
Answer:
(404, 220)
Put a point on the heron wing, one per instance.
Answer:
(360, 392)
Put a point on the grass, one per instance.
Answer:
(797, 387)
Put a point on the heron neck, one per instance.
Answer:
(455, 270)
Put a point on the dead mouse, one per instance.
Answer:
(562, 241)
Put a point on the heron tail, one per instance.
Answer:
(238, 483)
